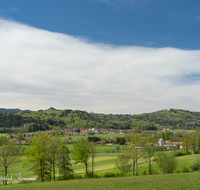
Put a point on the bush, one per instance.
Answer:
(155, 172)
(178, 171)
(108, 174)
(117, 148)
(89, 175)
(195, 164)
(167, 162)
(67, 177)
(181, 153)
(113, 151)
(78, 177)
(185, 169)
(107, 150)
(123, 163)
(144, 172)
(160, 148)
(112, 174)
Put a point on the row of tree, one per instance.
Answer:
(45, 154)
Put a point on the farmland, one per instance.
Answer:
(105, 162)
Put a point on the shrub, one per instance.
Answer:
(117, 148)
(179, 153)
(113, 151)
(123, 163)
(107, 150)
(195, 164)
(167, 162)
(144, 172)
(178, 171)
(112, 174)
(90, 175)
(78, 177)
(67, 177)
(182, 153)
(160, 148)
(185, 169)
(109, 174)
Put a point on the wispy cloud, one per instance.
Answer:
(11, 8)
(107, 33)
(174, 15)
(119, 3)
(40, 69)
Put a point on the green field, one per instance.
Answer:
(78, 137)
(184, 181)
(182, 130)
(105, 162)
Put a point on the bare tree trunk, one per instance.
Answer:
(92, 164)
(50, 171)
(149, 165)
(136, 168)
(6, 173)
(54, 177)
(136, 165)
(86, 168)
(133, 167)
(41, 171)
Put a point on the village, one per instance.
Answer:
(89, 132)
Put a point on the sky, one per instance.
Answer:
(105, 56)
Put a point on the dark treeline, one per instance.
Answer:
(11, 123)
(75, 119)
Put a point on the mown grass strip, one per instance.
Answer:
(164, 182)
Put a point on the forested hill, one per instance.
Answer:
(75, 119)
(173, 118)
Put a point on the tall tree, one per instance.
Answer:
(81, 152)
(38, 155)
(123, 163)
(198, 140)
(167, 162)
(193, 141)
(186, 142)
(148, 150)
(134, 149)
(54, 149)
(93, 152)
(64, 162)
(9, 155)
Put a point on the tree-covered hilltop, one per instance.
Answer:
(76, 119)
(173, 118)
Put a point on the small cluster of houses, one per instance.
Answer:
(163, 143)
(80, 132)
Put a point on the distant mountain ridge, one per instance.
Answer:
(13, 111)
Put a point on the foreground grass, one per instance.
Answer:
(164, 182)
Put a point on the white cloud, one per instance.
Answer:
(39, 69)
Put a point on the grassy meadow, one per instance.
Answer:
(182, 181)
(105, 162)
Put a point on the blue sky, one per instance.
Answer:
(149, 23)
(106, 56)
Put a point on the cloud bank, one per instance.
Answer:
(39, 69)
